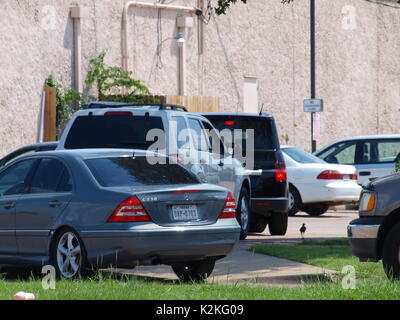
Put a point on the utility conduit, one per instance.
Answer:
(78, 13)
(148, 5)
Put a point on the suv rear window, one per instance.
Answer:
(264, 129)
(122, 131)
(132, 172)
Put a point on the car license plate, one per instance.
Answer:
(185, 213)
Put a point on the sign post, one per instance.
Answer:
(312, 69)
(314, 106)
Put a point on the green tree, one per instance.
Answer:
(110, 83)
(223, 5)
(397, 162)
(66, 100)
(114, 83)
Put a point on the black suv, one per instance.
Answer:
(269, 187)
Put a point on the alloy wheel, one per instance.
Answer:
(244, 214)
(69, 255)
(291, 200)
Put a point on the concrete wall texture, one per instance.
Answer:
(358, 65)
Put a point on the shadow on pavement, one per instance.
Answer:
(14, 274)
(266, 239)
(307, 216)
(128, 274)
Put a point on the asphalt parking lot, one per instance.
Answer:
(332, 224)
(243, 266)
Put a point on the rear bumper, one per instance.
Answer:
(264, 206)
(363, 237)
(152, 244)
(331, 193)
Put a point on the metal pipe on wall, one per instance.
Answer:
(182, 66)
(125, 36)
(77, 13)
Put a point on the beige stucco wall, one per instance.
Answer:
(357, 69)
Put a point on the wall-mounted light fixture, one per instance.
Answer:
(180, 39)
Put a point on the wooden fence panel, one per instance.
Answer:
(50, 113)
(196, 103)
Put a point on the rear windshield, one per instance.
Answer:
(88, 132)
(128, 171)
(302, 156)
(264, 129)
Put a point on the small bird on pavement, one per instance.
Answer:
(303, 230)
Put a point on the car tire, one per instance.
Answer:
(278, 224)
(391, 253)
(258, 224)
(68, 255)
(194, 271)
(243, 213)
(294, 201)
(316, 211)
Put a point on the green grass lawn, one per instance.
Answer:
(329, 242)
(135, 289)
(325, 255)
(371, 282)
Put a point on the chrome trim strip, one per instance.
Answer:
(173, 229)
(32, 231)
(43, 233)
(359, 231)
(269, 199)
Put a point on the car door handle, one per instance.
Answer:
(365, 173)
(55, 204)
(9, 205)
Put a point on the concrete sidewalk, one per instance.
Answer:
(245, 267)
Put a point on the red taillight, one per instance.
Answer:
(229, 210)
(118, 113)
(130, 210)
(330, 175)
(178, 158)
(229, 123)
(353, 176)
(280, 171)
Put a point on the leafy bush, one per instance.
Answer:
(68, 101)
(114, 83)
(111, 84)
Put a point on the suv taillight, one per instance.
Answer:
(330, 175)
(130, 210)
(280, 171)
(229, 210)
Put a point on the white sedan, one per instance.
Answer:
(314, 184)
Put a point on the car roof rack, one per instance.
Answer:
(106, 104)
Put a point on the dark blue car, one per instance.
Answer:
(85, 209)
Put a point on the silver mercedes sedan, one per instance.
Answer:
(88, 209)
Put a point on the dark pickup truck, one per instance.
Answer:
(269, 187)
(375, 235)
